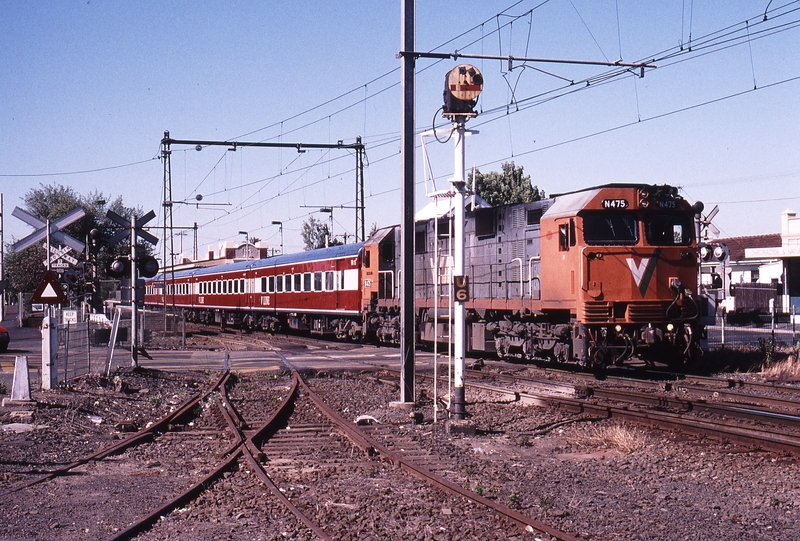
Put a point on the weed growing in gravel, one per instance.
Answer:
(479, 489)
(156, 400)
(785, 370)
(615, 436)
(546, 502)
(513, 500)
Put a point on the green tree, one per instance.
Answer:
(315, 232)
(510, 186)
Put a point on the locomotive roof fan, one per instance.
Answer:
(462, 86)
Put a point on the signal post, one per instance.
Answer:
(463, 84)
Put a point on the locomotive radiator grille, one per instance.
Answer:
(643, 312)
(637, 312)
(597, 312)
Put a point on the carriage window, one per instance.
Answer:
(270, 284)
(279, 284)
(610, 228)
(307, 281)
(668, 230)
(317, 281)
(298, 282)
(241, 285)
(236, 286)
(329, 281)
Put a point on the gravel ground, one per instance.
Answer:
(578, 477)
(594, 479)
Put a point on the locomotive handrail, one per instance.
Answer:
(530, 275)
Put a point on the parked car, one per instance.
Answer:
(4, 338)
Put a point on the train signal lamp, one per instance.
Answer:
(462, 86)
(147, 266)
(119, 268)
(713, 252)
(70, 277)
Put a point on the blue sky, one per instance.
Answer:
(87, 89)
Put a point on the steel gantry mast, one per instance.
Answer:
(358, 147)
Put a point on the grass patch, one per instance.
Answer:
(786, 370)
(613, 436)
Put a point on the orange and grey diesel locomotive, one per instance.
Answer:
(596, 276)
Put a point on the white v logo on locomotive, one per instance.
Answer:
(638, 270)
(643, 272)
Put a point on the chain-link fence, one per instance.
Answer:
(95, 344)
(752, 330)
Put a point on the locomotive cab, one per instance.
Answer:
(624, 263)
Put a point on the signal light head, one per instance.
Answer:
(119, 268)
(147, 266)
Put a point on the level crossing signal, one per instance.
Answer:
(147, 267)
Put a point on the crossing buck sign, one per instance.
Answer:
(461, 288)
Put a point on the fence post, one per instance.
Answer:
(88, 344)
(66, 350)
(183, 328)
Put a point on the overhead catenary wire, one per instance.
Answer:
(775, 20)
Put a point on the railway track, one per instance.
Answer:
(748, 419)
(317, 465)
(282, 461)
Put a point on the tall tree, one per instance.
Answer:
(315, 232)
(510, 186)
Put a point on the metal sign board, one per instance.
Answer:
(55, 229)
(60, 258)
(49, 290)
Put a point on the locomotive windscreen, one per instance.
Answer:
(668, 229)
(606, 228)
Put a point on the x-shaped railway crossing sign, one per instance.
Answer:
(55, 229)
(126, 224)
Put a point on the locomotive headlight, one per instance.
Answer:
(644, 203)
(670, 327)
(618, 328)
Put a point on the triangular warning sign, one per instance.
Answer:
(49, 290)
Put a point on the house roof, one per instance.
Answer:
(736, 245)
